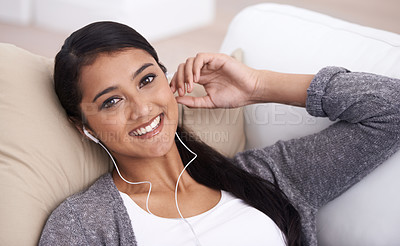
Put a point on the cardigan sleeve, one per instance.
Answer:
(321, 166)
(63, 228)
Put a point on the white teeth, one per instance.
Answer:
(148, 128)
(155, 122)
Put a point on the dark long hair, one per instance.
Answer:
(210, 168)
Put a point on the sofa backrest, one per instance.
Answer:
(293, 40)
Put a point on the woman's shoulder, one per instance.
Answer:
(101, 193)
(79, 216)
(103, 189)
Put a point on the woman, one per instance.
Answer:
(114, 89)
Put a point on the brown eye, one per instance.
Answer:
(147, 80)
(110, 102)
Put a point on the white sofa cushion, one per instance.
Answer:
(294, 40)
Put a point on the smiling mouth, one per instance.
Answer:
(150, 129)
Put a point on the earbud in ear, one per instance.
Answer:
(169, 76)
(90, 135)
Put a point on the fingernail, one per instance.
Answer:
(181, 92)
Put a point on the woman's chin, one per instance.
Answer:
(159, 146)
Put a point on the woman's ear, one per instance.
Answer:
(84, 131)
(78, 124)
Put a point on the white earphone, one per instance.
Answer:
(87, 133)
(91, 137)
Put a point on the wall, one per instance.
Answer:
(155, 19)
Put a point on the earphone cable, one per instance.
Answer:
(129, 182)
(176, 189)
(148, 182)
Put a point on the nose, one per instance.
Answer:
(137, 108)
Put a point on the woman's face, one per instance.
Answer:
(128, 104)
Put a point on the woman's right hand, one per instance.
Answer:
(228, 82)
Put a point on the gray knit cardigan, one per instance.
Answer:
(311, 170)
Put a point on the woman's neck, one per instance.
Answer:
(161, 171)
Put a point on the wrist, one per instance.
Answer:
(282, 88)
(262, 80)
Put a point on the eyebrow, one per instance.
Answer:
(111, 88)
(141, 69)
(107, 90)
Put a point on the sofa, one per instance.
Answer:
(43, 159)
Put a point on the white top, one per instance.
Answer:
(230, 222)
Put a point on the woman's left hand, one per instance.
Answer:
(228, 83)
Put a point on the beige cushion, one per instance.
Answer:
(42, 157)
(222, 129)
